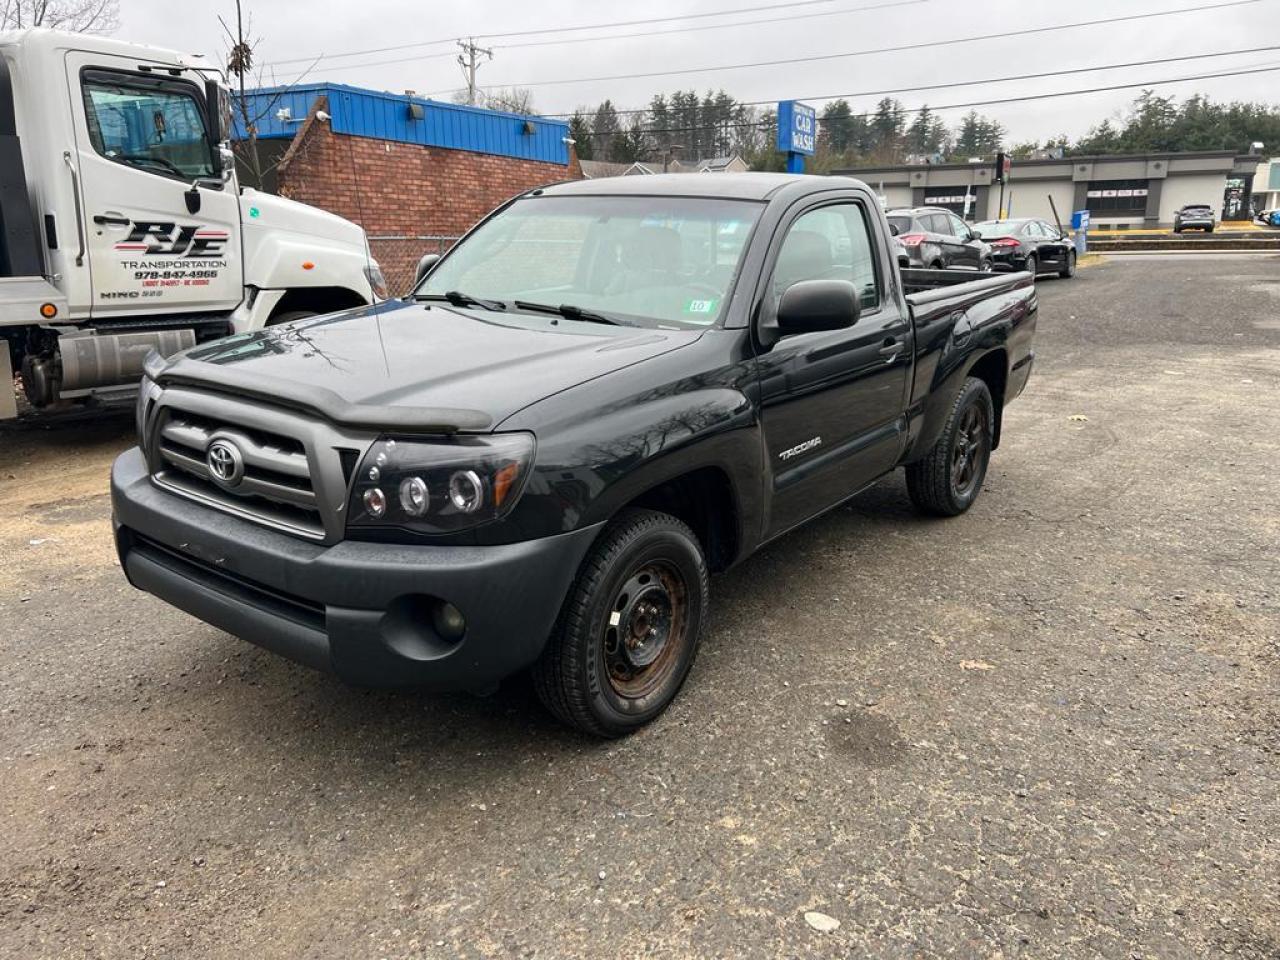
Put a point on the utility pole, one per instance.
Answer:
(467, 60)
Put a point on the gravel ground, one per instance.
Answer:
(1048, 728)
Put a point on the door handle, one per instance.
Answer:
(891, 347)
(112, 221)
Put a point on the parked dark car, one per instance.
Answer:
(1194, 216)
(938, 239)
(535, 459)
(1028, 244)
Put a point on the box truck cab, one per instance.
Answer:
(123, 227)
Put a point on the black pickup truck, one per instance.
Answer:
(607, 389)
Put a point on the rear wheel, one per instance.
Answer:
(948, 479)
(984, 265)
(1070, 269)
(630, 628)
(1033, 265)
(936, 265)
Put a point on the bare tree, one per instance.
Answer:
(246, 77)
(81, 16)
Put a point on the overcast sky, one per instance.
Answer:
(292, 31)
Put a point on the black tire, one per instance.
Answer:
(1033, 265)
(1208, 229)
(934, 483)
(936, 265)
(644, 578)
(286, 316)
(1069, 270)
(984, 265)
(1177, 230)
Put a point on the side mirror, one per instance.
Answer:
(813, 305)
(424, 267)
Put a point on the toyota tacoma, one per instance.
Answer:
(605, 391)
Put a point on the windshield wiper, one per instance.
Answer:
(140, 158)
(569, 312)
(457, 298)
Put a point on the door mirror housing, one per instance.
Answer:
(813, 305)
(428, 261)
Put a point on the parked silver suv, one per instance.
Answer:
(934, 237)
(1194, 216)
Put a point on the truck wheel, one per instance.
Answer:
(947, 480)
(629, 629)
(1070, 269)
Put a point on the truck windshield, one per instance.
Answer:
(646, 261)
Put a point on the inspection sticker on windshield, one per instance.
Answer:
(700, 306)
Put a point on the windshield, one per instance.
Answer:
(650, 261)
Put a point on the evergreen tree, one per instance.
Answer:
(580, 131)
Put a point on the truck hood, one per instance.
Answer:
(266, 211)
(413, 366)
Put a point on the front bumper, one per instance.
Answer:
(360, 610)
(1193, 224)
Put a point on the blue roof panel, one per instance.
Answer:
(386, 116)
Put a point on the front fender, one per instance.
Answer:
(590, 468)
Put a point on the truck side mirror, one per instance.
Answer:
(428, 261)
(217, 108)
(812, 305)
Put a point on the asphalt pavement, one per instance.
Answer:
(1049, 728)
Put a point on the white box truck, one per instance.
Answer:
(123, 228)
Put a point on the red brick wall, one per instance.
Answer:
(401, 189)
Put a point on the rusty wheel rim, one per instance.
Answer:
(645, 630)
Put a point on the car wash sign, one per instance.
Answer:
(797, 133)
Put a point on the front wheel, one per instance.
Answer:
(630, 628)
(947, 480)
(1070, 269)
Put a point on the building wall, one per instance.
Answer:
(1030, 198)
(1197, 188)
(403, 191)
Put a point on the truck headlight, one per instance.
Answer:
(439, 486)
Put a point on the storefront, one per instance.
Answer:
(1120, 192)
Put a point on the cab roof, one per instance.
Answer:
(725, 186)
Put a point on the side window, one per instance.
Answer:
(830, 243)
(958, 228)
(153, 125)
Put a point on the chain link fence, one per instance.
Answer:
(398, 257)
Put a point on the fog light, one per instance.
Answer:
(466, 491)
(375, 501)
(449, 622)
(413, 496)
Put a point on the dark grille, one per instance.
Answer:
(275, 488)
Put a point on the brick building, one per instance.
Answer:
(414, 173)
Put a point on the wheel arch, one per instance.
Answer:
(318, 300)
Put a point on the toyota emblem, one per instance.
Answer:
(226, 465)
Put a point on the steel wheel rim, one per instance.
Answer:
(645, 630)
(967, 450)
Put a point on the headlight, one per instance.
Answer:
(378, 283)
(439, 486)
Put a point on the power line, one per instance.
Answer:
(988, 80)
(545, 30)
(1026, 98)
(894, 49)
(712, 26)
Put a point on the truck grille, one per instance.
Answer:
(260, 476)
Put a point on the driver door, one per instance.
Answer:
(832, 401)
(141, 142)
